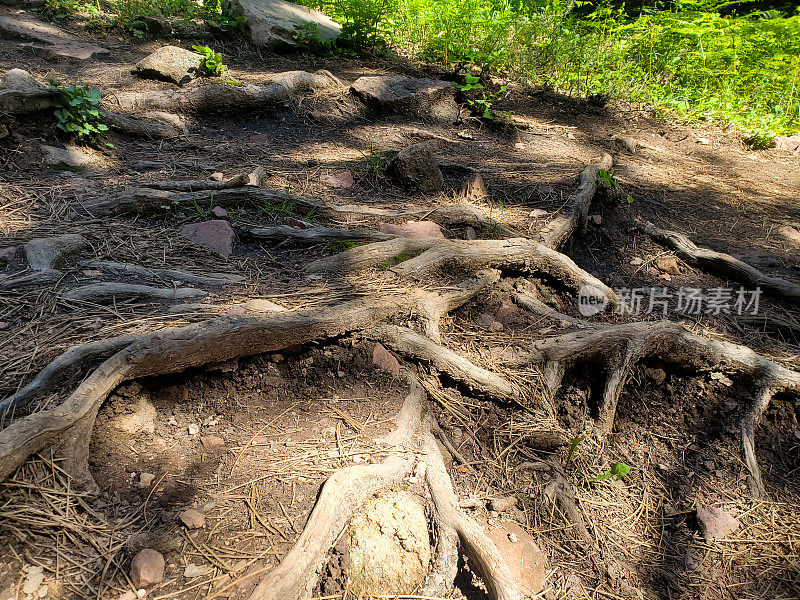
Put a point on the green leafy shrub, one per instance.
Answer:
(211, 63)
(478, 97)
(77, 112)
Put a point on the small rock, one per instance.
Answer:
(714, 523)
(657, 374)
(157, 25)
(4, 325)
(383, 359)
(487, 321)
(470, 234)
(636, 261)
(129, 595)
(596, 219)
(415, 167)
(272, 23)
(789, 233)
(141, 420)
(69, 156)
(502, 504)
(192, 518)
(33, 580)
(668, 264)
(192, 571)
(399, 93)
(193, 429)
(217, 176)
(722, 378)
(169, 63)
(8, 254)
(341, 180)
(212, 442)
(526, 561)
(219, 212)
(703, 141)
(791, 143)
(538, 213)
(216, 235)
(146, 480)
(147, 568)
(413, 229)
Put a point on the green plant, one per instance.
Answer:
(760, 140)
(478, 97)
(77, 112)
(573, 446)
(284, 209)
(309, 35)
(607, 177)
(211, 63)
(377, 162)
(204, 212)
(618, 470)
(342, 245)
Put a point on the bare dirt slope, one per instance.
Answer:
(249, 437)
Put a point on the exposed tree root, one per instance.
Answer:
(112, 291)
(721, 263)
(619, 347)
(573, 217)
(222, 97)
(141, 125)
(285, 234)
(166, 275)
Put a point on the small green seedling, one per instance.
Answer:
(573, 446)
(211, 63)
(77, 112)
(482, 100)
(618, 470)
(607, 177)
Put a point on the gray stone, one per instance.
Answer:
(169, 63)
(69, 156)
(399, 93)
(273, 23)
(147, 568)
(21, 81)
(48, 40)
(413, 229)
(49, 253)
(389, 546)
(216, 235)
(21, 93)
(415, 167)
(8, 254)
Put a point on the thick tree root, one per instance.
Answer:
(222, 97)
(103, 293)
(141, 125)
(285, 234)
(165, 275)
(619, 347)
(719, 262)
(574, 216)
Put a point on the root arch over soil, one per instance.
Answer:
(67, 428)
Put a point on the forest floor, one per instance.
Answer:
(250, 441)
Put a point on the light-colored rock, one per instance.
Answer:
(715, 524)
(20, 93)
(399, 93)
(147, 568)
(388, 546)
(413, 229)
(48, 40)
(415, 167)
(192, 518)
(193, 429)
(383, 359)
(791, 143)
(668, 264)
(192, 570)
(69, 156)
(212, 442)
(34, 577)
(141, 420)
(49, 253)
(146, 480)
(538, 213)
(216, 235)
(789, 233)
(341, 179)
(520, 552)
(273, 23)
(169, 63)
(20, 80)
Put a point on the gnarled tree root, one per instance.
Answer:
(620, 347)
(720, 262)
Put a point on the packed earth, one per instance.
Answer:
(314, 328)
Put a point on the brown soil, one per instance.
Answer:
(288, 421)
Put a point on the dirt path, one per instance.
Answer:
(249, 441)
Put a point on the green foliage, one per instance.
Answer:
(342, 245)
(607, 178)
(573, 446)
(77, 112)
(211, 63)
(284, 209)
(478, 97)
(698, 59)
(309, 35)
(618, 470)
